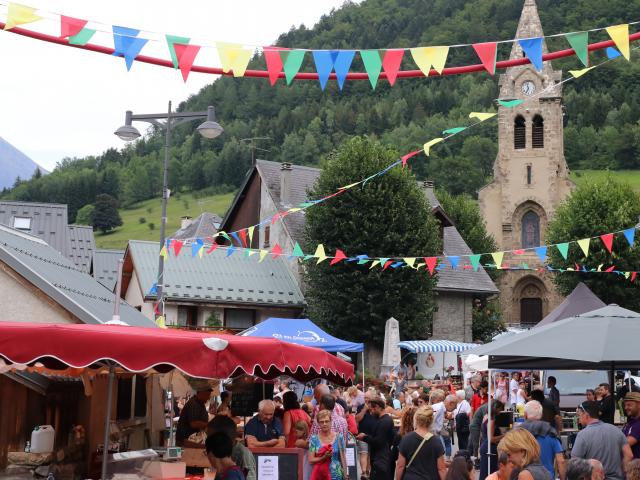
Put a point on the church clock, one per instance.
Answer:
(528, 88)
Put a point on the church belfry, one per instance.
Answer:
(530, 175)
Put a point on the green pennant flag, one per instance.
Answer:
(82, 38)
(297, 251)
(171, 40)
(510, 103)
(475, 261)
(563, 248)
(372, 64)
(291, 63)
(579, 41)
(453, 131)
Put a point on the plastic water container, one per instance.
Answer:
(42, 439)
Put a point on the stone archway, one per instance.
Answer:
(530, 300)
(529, 224)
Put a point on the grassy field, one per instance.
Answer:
(631, 177)
(185, 204)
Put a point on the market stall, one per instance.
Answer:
(436, 356)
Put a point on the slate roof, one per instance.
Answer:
(204, 225)
(216, 278)
(57, 277)
(48, 220)
(105, 266)
(581, 300)
(80, 246)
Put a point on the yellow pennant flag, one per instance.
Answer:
(233, 57)
(497, 259)
(620, 36)
(347, 187)
(410, 261)
(375, 263)
(160, 322)
(263, 253)
(251, 229)
(251, 252)
(584, 245)
(431, 143)
(579, 73)
(294, 210)
(200, 252)
(164, 253)
(482, 116)
(19, 14)
(320, 255)
(626, 275)
(426, 57)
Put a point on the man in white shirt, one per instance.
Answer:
(513, 389)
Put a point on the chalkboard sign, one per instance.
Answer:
(279, 463)
(246, 396)
(351, 454)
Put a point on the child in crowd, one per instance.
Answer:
(301, 429)
(219, 447)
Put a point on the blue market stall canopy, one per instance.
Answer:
(434, 346)
(301, 331)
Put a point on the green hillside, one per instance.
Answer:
(632, 177)
(179, 206)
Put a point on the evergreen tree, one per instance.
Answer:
(85, 215)
(390, 216)
(105, 214)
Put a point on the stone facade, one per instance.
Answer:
(452, 319)
(530, 176)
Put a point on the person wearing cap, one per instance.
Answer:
(631, 429)
(194, 417)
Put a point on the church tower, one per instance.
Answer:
(530, 176)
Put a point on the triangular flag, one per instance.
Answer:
(250, 231)
(407, 157)
(297, 251)
(171, 41)
(633, 276)
(154, 289)
(70, 26)
(134, 46)
(475, 261)
(612, 53)
(579, 41)
(120, 39)
(453, 260)
(497, 259)
(82, 38)
(291, 63)
(164, 252)
(276, 251)
(579, 73)
(362, 259)
(542, 253)
(233, 57)
(274, 62)
(607, 239)
(324, 64)
(243, 237)
(339, 257)
(426, 57)
(532, 48)
(196, 246)
(201, 252)
(372, 64)
(236, 238)
(263, 253)
(320, 255)
(584, 245)
(563, 248)
(160, 322)
(20, 14)
(250, 252)
(630, 234)
(487, 53)
(410, 261)
(342, 64)
(620, 36)
(374, 264)
(177, 246)
(230, 249)
(482, 116)
(431, 263)
(391, 64)
(386, 264)
(510, 103)
(186, 56)
(212, 247)
(453, 131)
(431, 143)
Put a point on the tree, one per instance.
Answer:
(389, 216)
(594, 209)
(105, 214)
(85, 215)
(487, 321)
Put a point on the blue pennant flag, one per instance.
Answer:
(196, 246)
(396, 265)
(533, 50)
(230, 250)
(362, 259)
(454, 261)
(126, 44)
(542, 253)
(236, 238)
(612, 53)
(440, 266)
(154, 289)
(324, 60)
(630, 234)
(342, 63)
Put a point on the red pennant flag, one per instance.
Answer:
(487, 54)
(610, 269)
(274, 62)
(275, 218)
(243, 236)
(391, 64)
(276, 251)
(386, 264)
(177, 246)
(577, 267)
(339, 257)
(213, 247)
(519, 252)
(408, 156)
(186, 55)
(607, 239)
(431, 263)
(70, 26)
(633, 276)
(156, 308)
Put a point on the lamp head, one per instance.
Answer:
(127, 132)
(210, 128)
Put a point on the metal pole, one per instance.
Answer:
(172, 436)
(489, 430)
(363, 385)
(107, 421)
(116, 300)
(163, 220)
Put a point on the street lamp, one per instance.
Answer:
(208, 129)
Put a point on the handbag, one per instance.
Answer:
(415, 453)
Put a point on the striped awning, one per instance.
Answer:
(433, 346)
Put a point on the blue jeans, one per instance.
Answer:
(446, 443)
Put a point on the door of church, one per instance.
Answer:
(530, 311)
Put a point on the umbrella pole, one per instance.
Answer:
(363, 386)
(107, 422)
(489, 430)
(172, 438)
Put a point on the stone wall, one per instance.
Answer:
(453, 318)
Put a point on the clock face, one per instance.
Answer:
(528, 87)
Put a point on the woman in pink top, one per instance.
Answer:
(292, 414)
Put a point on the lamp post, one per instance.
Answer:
(208, 129)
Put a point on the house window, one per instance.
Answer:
(528, 174)
(267, 232)
(132, 398)
(238, 318)
(530, 230)
(519, 133)
(188, 316)
(537, 132)
(22, 223)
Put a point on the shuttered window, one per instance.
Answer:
(519, 133)
(537, 132)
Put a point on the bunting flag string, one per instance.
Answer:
(330, 64)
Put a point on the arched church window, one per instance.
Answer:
(537, 132)
(530, 230)
(519, 133)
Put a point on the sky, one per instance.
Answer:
(61, 102)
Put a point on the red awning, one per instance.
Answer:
(139, 349)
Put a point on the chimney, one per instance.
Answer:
(185, 222)
(285, 184)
